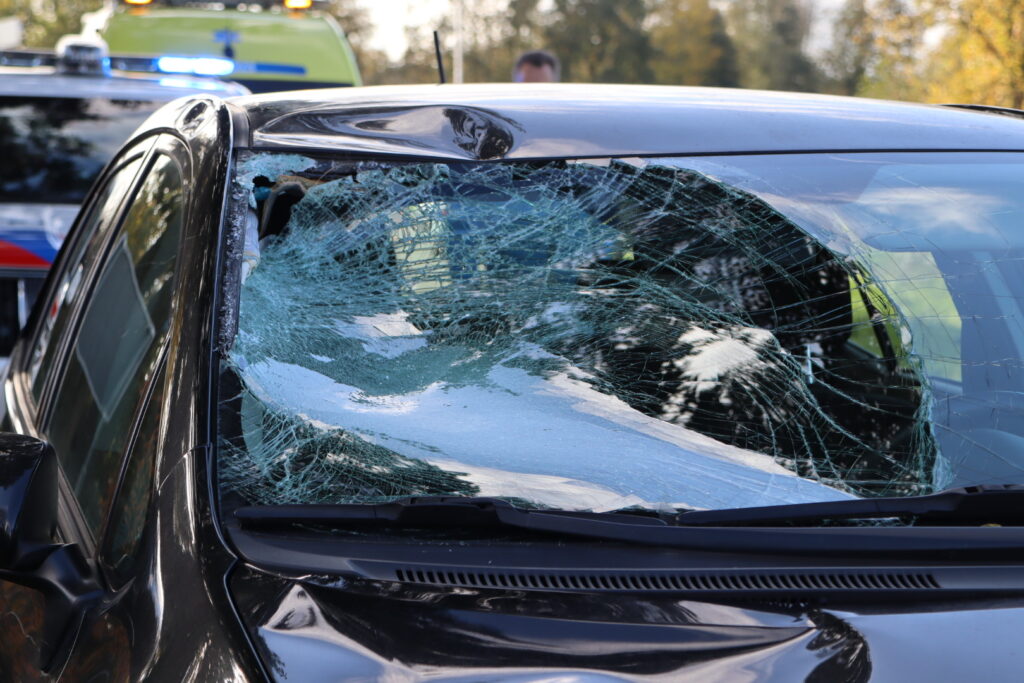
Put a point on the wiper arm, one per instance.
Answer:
(971, 505)
(463, 513)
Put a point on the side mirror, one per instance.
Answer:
(29, 553)
(28, 499)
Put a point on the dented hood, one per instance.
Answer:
(320, 630)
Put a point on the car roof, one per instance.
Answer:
(45, 81)
(523, 121)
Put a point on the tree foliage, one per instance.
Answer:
(848, 58)
(927, 50)
(601, 40)
(981, 57)
(934, 50)
(691, 45)
(47, 20)
(771, 39)
(896, 68)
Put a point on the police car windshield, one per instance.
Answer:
(685, 332)
(54, 147)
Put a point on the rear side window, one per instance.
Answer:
(118, 344)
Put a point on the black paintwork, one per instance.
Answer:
(518, 121)
(385, 631)
(208, 603)
(28, 496)
(29, 553)
(173, 621)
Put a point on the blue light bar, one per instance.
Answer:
(200, 66)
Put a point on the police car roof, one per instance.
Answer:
(577, 120)
(46, 81)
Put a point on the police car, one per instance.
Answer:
(63, 114)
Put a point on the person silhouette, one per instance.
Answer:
(536, 66)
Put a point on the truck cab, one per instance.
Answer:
(266, 45)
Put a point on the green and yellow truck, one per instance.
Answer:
(265, 45)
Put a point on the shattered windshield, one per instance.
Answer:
(597, 335)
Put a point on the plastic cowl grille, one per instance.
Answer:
(671, 581)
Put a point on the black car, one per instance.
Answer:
(527, 383)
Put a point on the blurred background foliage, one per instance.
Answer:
(45, 21)
(922, 50)
(926, 50)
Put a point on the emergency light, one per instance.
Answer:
(199, 66)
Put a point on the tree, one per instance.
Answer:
(353, 19)
(898, 66)
(601, 41)
(981, 58)
(691, 46)
(47, 20)
(355, 22)
(770, 38)
(495, 32)
(847, 61)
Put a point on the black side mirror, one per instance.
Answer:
(28, 499)
(29, 553)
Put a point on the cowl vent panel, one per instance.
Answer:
(676, 581)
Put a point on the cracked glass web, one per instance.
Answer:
(692, 333)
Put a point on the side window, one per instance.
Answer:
(118, 344)
(128, 513)
(87, 247)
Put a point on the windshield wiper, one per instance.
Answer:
(970, 505)
(465, 513)
(426, 511)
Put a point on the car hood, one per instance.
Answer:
(323, 629)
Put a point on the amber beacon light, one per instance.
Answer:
(298, 4)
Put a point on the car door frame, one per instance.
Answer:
(24, 414)
(20, 405)
(71, 520)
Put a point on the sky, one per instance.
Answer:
(390, 17)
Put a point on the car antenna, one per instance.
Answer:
(440, 61)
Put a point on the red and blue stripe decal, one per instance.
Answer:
(25, 249)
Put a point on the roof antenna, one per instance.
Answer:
(437, 51)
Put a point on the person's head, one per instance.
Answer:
(538, 66)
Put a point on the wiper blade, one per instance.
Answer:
(427, 511)
(970, 505)
(466, 513)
